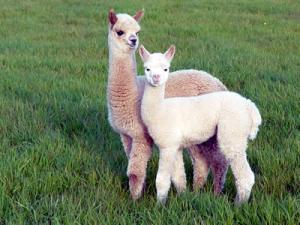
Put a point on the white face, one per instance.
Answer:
(123, 33)
(157, 65)
(157, 69)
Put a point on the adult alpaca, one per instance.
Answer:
(124, 93)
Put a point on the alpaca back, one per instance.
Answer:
(184, 120)
(198, 117)
(191, 83)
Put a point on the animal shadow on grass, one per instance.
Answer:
(79, 118)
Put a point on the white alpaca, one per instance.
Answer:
(175, 123)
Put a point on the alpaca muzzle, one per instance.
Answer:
(133, 41)
(156, 79)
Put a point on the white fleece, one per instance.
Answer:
(179, 122)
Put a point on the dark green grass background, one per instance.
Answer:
(60, 162)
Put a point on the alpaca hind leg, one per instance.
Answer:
(233, 144)
(200, 166)
(217, 162)
(219, 167)
(167, 158)
(244, 177)
(178, 173)
(127, 143)
(137, 166)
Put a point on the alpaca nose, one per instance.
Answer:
(133, 40)
(156, 76)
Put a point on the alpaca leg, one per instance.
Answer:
(137, 165)
(217, 162)
(233, 145)
(178, 173)
(127, 143)
(200, 166)
(167, 158)
(219, 167)
(244, 177)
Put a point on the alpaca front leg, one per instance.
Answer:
(178, 173)
(200, 166)
(127, 143)
(163, 179)
(244, 177)
(139, 156)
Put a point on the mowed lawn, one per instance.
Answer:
(61, 163)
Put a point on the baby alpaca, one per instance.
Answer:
(175, 123)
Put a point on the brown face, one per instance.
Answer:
(123, 30)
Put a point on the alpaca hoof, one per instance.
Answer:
(198, 183)
(180, 190)
(218, 191)
(135, 186)
(241, 198)
(237, 202)
(161, 199)
(196, 188)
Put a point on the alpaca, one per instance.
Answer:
(179, 122)
(124, 93)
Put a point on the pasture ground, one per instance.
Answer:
(60, 162)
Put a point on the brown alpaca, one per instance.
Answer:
(124, 93)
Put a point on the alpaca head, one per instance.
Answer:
(123, 31)
(157, 65)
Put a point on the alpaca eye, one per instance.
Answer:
(166, 70)
(148, 69)
(120, 32)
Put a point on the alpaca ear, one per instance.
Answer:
(169, 54)
(112, 17)
(139, 15)
(144, 53)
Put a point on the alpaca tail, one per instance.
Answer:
(256, 119)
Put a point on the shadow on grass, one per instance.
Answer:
(77, 115)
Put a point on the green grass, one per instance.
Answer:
(60, 162)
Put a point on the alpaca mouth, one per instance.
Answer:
(132, 46)
(155, 82)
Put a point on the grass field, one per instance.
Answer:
(60, 162)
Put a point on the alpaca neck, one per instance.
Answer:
(153, 96)
(122, 75)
